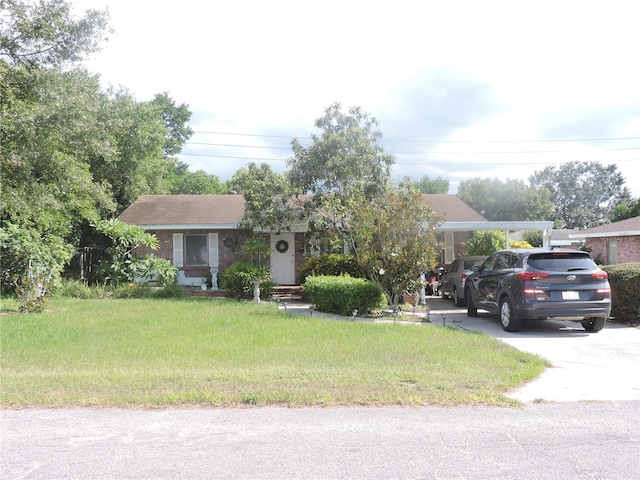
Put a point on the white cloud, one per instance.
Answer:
(459, 71)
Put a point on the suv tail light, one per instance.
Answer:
(527, 276)
(463, 277)
(601, 274)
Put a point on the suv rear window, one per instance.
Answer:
(561, 262)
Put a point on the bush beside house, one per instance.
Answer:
(343, 294)
(625, 291)
(330, 264)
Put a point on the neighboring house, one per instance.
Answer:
(199, 233)
(617, 242)
(566, 238)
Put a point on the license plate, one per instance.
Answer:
(571, 295)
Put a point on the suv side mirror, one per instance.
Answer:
(475, 268)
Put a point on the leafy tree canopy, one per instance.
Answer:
(432, 185)
(176, 119)
(625, 210)
(267, 195)
(44, 33)
(394, 240)
(346, 159)
(583, 193)
(71, 153)
(506, 200)
(342, 165)
(184, 182)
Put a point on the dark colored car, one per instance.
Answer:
(454, 279)
(539, 283)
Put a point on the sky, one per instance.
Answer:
(460, 89)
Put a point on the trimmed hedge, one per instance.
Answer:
(342, 294)
(625, 291)
(333, 264)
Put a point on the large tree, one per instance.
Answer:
(626, 209)
(267, 194)
(346, 159)
(182, 181)
(394, 240)
(344, 163)
(583, 193)
(71, 153)
(432, 185)
(506, 200)
(176, 119)
(45, 33)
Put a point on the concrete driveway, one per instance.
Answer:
(587, 366)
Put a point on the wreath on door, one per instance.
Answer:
(282, 246)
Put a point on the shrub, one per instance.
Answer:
(342, 294)
(330, 264)
(625, 291)
(132, 290)
(170, 291)
(237, 280)
(80, 289)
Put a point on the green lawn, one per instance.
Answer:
(159, 353)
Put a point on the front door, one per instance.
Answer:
(283, 259)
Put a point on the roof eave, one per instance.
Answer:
(628, 233)
(470, 226)
(194, 226)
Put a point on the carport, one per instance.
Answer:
(449, 228)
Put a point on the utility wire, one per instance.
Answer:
(432, 140)
(430, 162)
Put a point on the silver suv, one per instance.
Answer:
(537, 283)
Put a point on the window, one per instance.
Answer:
(195, 251)
(561, 262)
(612, 252)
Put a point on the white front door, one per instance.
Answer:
(283, 258)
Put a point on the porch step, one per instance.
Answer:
(287, 292)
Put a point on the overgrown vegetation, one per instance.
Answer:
(162, 353)
(330, 264)
(80, 290)
(123, 265)
(485, 242)
(238, 280)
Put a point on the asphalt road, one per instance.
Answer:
(580, 420)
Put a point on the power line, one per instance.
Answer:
(475, 152)
(461, 162)
(432, 140)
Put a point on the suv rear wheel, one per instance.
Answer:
(594, 324)
(508, 318)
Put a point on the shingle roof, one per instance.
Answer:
(185, 210)
(630, 226)
(228, 210)
(452, 208)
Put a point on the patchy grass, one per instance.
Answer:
(160, 353)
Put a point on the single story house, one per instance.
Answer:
(617, 242)
(198, 233)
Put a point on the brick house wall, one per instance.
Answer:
(226, 255)
(628, 248)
